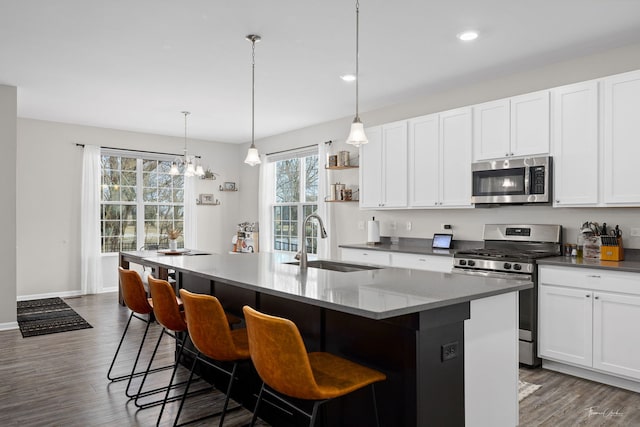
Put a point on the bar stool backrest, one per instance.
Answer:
(280, 356)
(133, 292)
(208, 327)
(165, 305)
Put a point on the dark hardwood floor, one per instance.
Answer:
(60, 380)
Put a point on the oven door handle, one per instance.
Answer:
(494, 274)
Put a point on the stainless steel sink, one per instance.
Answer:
(336, 266)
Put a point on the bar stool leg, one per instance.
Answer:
(115, 356)
(135, 363)
(186, 390)
(255, 410)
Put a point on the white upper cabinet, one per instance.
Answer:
(440, 160)
(621, 139)
(491, 130)
(530, 124)
(424, 161)
(455, 158)
(575, 144)
(383, 167)
(517, 126)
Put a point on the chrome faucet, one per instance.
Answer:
(302, 253)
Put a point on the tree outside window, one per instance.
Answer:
(296, 193)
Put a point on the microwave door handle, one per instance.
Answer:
(526, 181)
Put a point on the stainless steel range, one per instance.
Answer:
(511, 251)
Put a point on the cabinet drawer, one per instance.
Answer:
(366, 257)
(591, 278)
(441, 264)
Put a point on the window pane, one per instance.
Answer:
(311, 179)
(288, 181)
(128, 164)
(120, 193)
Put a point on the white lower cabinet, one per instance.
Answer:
(438, 263)
(589, 318)
(366, 256)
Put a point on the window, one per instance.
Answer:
(296, 197)
(140, 202)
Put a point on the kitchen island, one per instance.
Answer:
(447, 342)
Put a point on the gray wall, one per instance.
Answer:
(467, 223)
(8, 146)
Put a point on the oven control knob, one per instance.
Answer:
(517, 267)
(507, 266)
(471, 263)
(463, 262)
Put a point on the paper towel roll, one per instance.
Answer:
(373, 232)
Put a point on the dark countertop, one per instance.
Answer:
(414, 246)
(376, 294)
(631, 262)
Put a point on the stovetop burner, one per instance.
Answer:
(503, 253)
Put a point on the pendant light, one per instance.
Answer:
(191, 167)
(356, 136)
(253, 158)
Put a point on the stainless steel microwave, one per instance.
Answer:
(517, 181)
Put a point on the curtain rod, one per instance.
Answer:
(139, 151)
(298, 148)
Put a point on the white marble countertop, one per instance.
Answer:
(376, 294)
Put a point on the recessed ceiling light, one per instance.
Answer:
(348, 77)
(468, 36)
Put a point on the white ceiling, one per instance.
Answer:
(135, 64)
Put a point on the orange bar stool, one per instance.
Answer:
(141, 307)
(281, 359)
(166, 309)
(213, 338)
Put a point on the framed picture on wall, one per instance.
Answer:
(229, 186)
(206, 199)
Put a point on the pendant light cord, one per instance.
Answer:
(357, 56)
(186, 113)
(253, 90)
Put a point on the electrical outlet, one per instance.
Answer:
(360, 225)
(446, 227)
(449, 351)
(635, 232)
(409, 225)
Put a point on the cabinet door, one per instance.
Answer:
(491, 130)
(621, 132)
(455, 158)
(423, 161)
(394, 163)
(530, 124)
(371, 169)
(616, 347)
(366, 257)
(564, 324)
(437, 263)
(575, 144)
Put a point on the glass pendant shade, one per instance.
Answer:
(357, 136)
(199, 170)
(191, 170)
(174, 169)
(253, 158)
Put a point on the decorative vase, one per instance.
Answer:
(173, 245)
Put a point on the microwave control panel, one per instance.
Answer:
(537, 179)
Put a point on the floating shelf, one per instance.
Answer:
(341, 167)
(341, 201)
(216, 203)
(221, 188)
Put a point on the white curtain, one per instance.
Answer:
(324, 245)
(90, 258)
(190, 214)
(266, 195)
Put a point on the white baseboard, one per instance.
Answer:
(8, 326)
(589, 374)
(49, 295)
